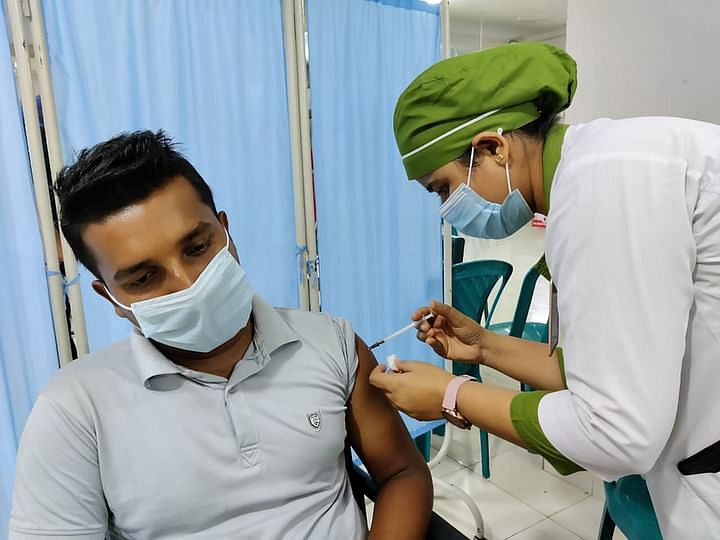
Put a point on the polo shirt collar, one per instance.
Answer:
(271, 331)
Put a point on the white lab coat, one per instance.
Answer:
(633, 244)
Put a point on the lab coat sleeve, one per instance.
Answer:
(622, 254)
(524, 416)
(58, 493)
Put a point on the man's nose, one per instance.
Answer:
(180, 278)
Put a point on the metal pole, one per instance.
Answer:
(305, 144)
(52, 134)
(42, 195)
(447, 230)
(445, 28)
(296, 149)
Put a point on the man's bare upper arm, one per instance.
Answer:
(377, 433)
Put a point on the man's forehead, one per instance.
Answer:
(149, 227)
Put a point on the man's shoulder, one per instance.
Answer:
(309, 319)
(93, 373)
(333, 336)
(307, 325)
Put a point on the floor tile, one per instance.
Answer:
(445, 467)
(545, 530)
(521, 475)
(582, 480)
(503, 514)
(465, 446)
(599, 489)
(500, 446)
(584, 518)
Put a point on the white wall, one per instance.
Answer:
(645, 57)
(463, 44)
(474, 35)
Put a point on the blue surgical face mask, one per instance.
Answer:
(205, 315)
(472, 215)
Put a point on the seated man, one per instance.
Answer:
(220, 417)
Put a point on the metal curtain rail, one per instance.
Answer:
(56, 285)
(52, 134)
(288, 12)
(305, 145)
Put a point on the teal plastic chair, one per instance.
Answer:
(628, 506)
(458, 249)
(519, 326)
(472, 284)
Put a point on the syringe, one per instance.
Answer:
(404, 329)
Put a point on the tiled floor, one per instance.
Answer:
(524, 499)
(521, 500)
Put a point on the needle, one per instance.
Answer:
(404, 329)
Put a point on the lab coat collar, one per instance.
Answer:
(551, 156)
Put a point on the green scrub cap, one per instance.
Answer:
(506, 87)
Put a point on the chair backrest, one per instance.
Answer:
(629, 504)
(458, 249)
(524, 301)
(472, 283)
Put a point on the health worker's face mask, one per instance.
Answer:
(472, 215)
(203, 316)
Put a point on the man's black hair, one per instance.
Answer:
(115, 174)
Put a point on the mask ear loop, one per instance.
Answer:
(507, 168)
(115, 300)
(472, 161)
(227, 238)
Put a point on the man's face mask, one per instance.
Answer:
(472, 215)
(205, 315)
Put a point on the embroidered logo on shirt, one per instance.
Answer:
(315, 420)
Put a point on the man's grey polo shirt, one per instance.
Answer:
(126, 441)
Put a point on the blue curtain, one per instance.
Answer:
(213, 75)
(379, 237)
(28, 357)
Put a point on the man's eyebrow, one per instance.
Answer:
(124, 272)
(200, 228)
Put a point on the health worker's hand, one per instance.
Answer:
(451, 335)
(418, 389)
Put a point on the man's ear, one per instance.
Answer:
(222, 216)
(100, 288)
